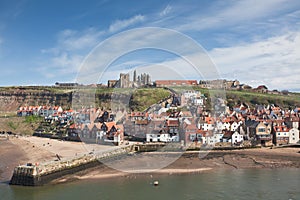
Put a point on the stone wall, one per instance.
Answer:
(39, 175)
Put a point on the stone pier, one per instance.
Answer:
(40, 174)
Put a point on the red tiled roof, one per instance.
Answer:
(172, 122)
(137, 114)
(110, 125)
(280, 129)
(209, 120)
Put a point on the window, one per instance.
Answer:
(261, 129)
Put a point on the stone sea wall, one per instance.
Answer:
(35, 175)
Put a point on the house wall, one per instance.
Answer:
(226, 126)
(263, 129)
(293, 136)
(165, 138)
(207, 127)
(282, 140)
(234, 126)
(212, 140)
(236, 138)
(295, 125)
(281, 137)
(198, 102)
(151, 138)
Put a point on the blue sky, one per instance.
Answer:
(256, 42)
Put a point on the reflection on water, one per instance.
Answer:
(220, 184)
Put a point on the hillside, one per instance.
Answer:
(11, 98)
(24, 125)
(251, 98)
(133, 99)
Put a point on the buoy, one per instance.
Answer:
(155, 183)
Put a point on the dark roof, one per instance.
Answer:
(251, 123)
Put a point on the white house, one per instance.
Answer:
(295, 122)
(234, 126)
(212, 139)
(191, 94)
(282, 135)
(236, 138)
(293, 135)
(206, 126)
(162, 137)
(152, 137)
(226, 126)
(198, 101)
(219, 125)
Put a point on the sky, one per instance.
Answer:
(256, 42)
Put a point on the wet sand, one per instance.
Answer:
(22, 150)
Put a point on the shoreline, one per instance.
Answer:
(93, 174)
(17, 151)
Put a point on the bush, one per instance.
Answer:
(33, 119)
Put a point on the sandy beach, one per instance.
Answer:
(22, 150)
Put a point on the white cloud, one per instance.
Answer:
(274, 61)
(121, 24)
(146, 38)
(264, 61)
(166, 11)
(73, 46)
(67, 55)
(61, 65)
(72, 40)
(68, 63)
(236, 13)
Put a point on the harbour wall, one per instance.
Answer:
(37, 175)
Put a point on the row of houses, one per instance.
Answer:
(263, 125)
(86, 124)
(184, 122)
(210, 132)
(39, 110)
(101, 133)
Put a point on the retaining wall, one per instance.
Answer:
(43, 174)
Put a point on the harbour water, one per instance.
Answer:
(267, 184)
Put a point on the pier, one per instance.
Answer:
(35, 174)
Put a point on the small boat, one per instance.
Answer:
(155, 183)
